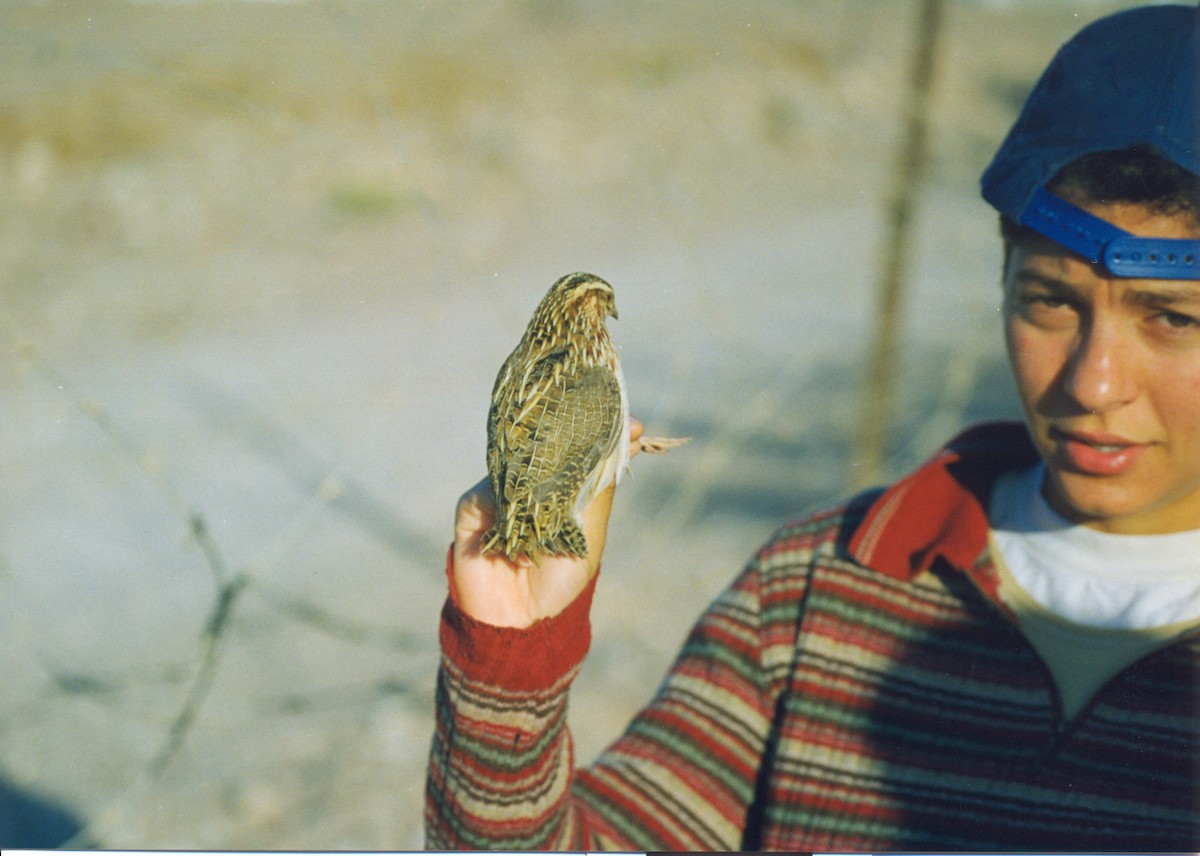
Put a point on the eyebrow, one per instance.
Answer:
(1139, 295)
(1163, 296)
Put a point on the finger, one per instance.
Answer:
(635, 432)
(595, 525)
(474, 514)
(479, 500)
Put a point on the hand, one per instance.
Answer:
(496, 591)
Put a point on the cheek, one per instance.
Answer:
(1034, 361)
(1176, 397)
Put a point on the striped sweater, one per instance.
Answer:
(859, 686)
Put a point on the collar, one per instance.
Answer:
(940, 511)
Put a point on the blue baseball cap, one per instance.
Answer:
(1129, 79)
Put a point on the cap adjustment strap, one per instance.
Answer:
(1100, 242)
(1164, 258)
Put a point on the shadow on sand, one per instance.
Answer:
(31, 821)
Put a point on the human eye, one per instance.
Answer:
(1044, 307)
(1177, 322)
(1171, 312)
(1049, 301)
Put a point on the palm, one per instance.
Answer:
(517, 593)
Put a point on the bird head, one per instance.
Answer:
(577, 293)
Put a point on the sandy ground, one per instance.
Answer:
(260, 264)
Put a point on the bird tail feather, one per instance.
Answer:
(569, 541)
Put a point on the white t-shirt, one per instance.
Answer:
(1093, 578)
(1090, 602)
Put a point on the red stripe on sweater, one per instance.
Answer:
(531, 659)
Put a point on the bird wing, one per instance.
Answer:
(586, 420)
(566, 425)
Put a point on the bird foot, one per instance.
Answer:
(658, 445)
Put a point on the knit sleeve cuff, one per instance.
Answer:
(533, 658)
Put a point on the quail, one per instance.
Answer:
(558, 427)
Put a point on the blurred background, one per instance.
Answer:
(259, 265)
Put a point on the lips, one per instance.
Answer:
(1096, 453)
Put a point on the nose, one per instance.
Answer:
(1100, 374)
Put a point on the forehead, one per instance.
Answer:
(1144, 221)
(1044, 265)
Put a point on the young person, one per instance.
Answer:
(999, 651)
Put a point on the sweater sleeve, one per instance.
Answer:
(501, 762)
(683, 775)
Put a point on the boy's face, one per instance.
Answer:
(1108, 371)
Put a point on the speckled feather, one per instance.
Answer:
(558, 428)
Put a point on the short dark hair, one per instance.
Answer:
(1135, 175)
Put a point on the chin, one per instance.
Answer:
(1110, 505)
